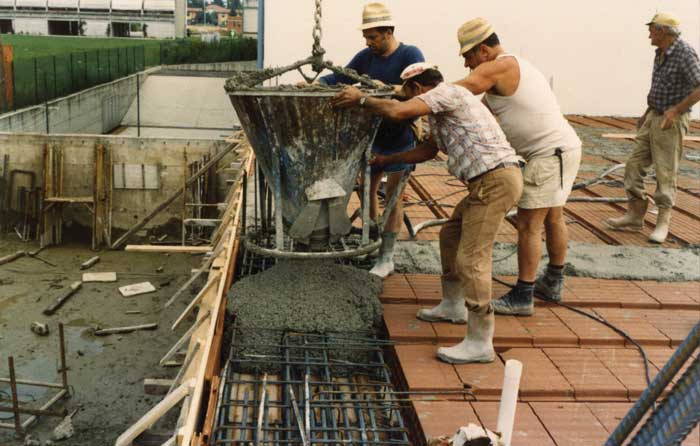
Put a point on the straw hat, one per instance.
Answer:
(473, 33)
(664, 18)
(415, 69)
(376, 15)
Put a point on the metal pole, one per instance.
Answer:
(365, 196)
(72, 87)
(653, 391)
(55, 93)
(64, 368)
(15, 400)
(46, 106)
(277, 178)
(138, 105)
(36, 83)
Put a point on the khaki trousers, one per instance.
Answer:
(659, 148)
(466, 239)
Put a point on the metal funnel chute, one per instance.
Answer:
(311, 151)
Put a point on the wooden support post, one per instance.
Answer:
(15, 398)
(51, 309)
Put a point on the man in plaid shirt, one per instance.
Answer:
(675, 88)
(479, 155)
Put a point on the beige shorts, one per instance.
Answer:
(542, 182)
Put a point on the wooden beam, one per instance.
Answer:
(75, 286)
(212, 162)
(116, 330)
(153, 415)
(156, 386)
(169, 249)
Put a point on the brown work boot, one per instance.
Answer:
(663, 220)
(633, 220)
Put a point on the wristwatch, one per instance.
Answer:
(363, 99)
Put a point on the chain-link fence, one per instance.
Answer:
(39, 79)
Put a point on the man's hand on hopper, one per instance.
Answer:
(348, 97)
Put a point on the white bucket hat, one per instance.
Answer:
(376, 15)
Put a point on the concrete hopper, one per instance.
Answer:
(310, 154)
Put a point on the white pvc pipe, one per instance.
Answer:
(509, 400)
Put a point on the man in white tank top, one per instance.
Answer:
(529, 114)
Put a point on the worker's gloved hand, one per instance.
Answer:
(348, 97)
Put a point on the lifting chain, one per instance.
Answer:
(317, 34)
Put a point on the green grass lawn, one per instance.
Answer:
(36, 46)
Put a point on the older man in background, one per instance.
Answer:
(675, 88)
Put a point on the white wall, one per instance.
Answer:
(32, 26)
(597, 52)
(161, 30)
(96, 28)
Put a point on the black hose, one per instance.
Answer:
(598, 319)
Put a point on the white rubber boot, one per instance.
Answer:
(385, 262)
(477, 345)
(663, 220)
(451, 308)
(633, 220)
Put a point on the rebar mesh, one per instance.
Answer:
(322, 389)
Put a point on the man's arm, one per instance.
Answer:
(480, 80)
(386, 108)
(421, 153)
(673, 112)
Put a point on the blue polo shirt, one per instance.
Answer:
(391, 135)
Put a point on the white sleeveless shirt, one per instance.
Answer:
(531, 118)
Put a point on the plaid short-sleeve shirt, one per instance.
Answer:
(676, 74)
(466, 130)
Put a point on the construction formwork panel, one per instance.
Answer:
(127, 5)
(32, 26)
(31, 3)
(163, 30)
(96, 28)
(71, 4)
(159, 5)
(95, 4)
(7, 3)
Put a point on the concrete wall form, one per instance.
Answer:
(93, 111)
(128, 206)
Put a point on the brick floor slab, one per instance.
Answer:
(527, 431)
(571, 424)
(402, 324)
(589, 377)
(540, 379)
(424, 372)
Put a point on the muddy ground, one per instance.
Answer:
(105, 373)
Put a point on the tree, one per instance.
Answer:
(235, 6)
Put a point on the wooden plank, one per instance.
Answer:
(69, 200)
(632, 136)
(156, 386)
(129, 329)
(136, 289)
(100, 277)
(153, 415)
(90, 262)
(75, 286)
(169, 249)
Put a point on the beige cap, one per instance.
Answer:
(376, 15)
(664, 18)
(473, 33)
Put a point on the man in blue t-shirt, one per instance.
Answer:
(384, 59)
